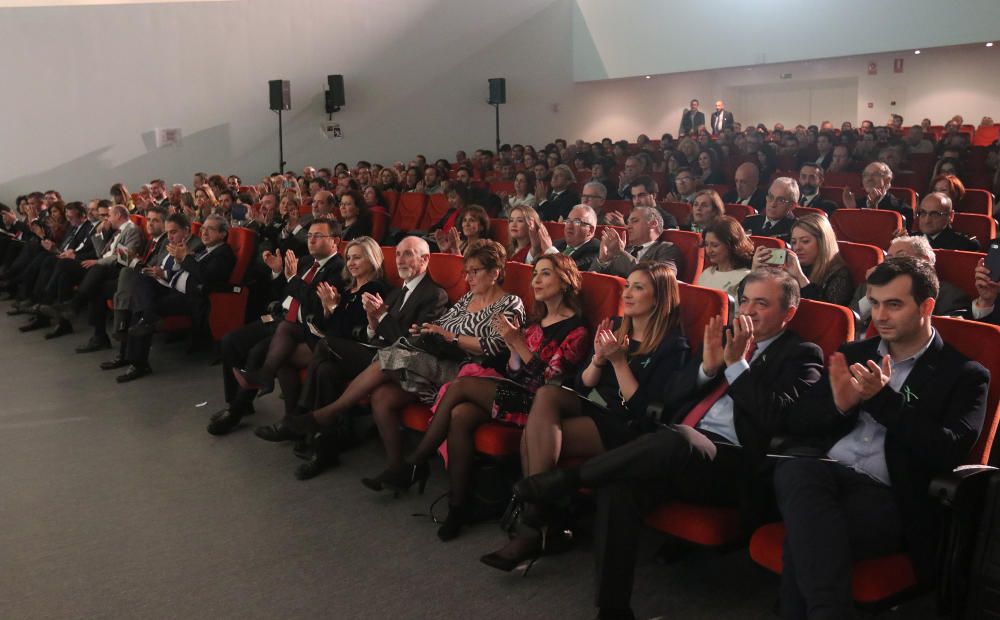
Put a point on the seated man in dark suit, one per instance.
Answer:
(181, 287)
(891, 413)
(293, 285)
(579, 242)
(643, 233)
(877, 179)
(747, 192)
(950, 299)
(777, 218)
(175, 229)
(555, 205)
(720, 414)
(643, 193)
(810, 180)
(934, 217)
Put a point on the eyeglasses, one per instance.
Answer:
(781, 200)
(317, 236)
(922, 213)
(684, 179)
(591, 197)
(577, 222)
(473, 272)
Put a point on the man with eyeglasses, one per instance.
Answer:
(934, 218)
(594, 196)
(687, 186)
(181, 285)
(777, 218)
(877, 180)
(579, 242)
(643, 234)
(293, 284)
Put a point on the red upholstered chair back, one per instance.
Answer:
(499, 232)
(389, 266)
(557, 230)
(243, 241)
(958, 268)
(437, 206)
(502, 186)
(602, 298)
(976, 201)
(391, 199)
(768, 242)
(906, 195)
(698, 305)
(517, 280)
(872, 226)
(740, 212)
(448, 271)
(380, 223)
(860, 257)
(680, 210)
(692, 251)
(980, 342)
(196, 228)
(800, 211)
(409, 211)
(826, 325)
(621, 206)
(982, 227)
(619, 229)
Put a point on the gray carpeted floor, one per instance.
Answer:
(117, 504)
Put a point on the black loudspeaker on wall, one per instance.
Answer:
(281, 94)
(334, 93)
(498, 91)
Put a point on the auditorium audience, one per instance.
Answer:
(746, 191)
(472, 224)
(877, 179)
(934, 218)
(814, 261)
(522, 196)
(355, 215)
(555, 205)
(517, 230)
(777, 218)
(706, 208)
(642, 232)
(578, 243)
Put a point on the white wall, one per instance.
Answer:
(91, 83)
(629, 38)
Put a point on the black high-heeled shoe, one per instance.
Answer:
(399, 480)
(532, 534)
(457, 517)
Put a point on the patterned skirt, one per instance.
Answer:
(418, 372)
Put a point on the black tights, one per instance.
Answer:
(288, 347)
(466, 405)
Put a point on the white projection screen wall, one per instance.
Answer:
(628, 38)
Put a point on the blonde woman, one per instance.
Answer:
(814, 261)
(518, 223)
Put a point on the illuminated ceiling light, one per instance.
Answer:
(916, 51)
(990, 44)
(649, 77)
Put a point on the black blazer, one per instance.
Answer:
(819, 202)
(762, 396)
(426, 304)
(928, 432)
(551, 209)
(309, 303)
(950, 239)
(212, 272)
(754, 225)
(758, 199)
(889, 203)
(691, 120)
(727, 120)
(584, 256)
(80, 240)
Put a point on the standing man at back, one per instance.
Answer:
(691, 119)
(722, 119)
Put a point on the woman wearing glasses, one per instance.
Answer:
(415, 368)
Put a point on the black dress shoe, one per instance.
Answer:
(134, 372)
(325, 456)
(224, 422)
(64, 327)
(95, 344)
(115, 364)
(276, 433)
(37, 322)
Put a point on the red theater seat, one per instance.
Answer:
(958, 268)
(982, 227)
(740, 212)
(871, 226)
(437, 206)
(409, 211)
(768, 242)
(976, 201)
(500, 232)
(448, 271)
(860, 257)
(680, 210)
(692, 251)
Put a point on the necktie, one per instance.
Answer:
(293, 308)
(150, 250)
(718, 123)
(698, 411)
(201, 255)
(803, 200)
(568, 251)
(404, 294)
(634, 250)
(767, 225)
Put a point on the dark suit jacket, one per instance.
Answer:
(727, 120)
(818, 202)
(426, 303)
(757, 199)
(309, 302)
(689, 121)
(890, 203)
(950, 239)
(754, 225)
(78, 241)
(931, 425)
(660, 252)
(211, 273)
(762, 396)
(584, 256)
(551, 209)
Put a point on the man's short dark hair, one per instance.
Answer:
(924, 281)
(647, 182)
(811, 164)
(181, 220)
(103, 203)
(158, 210)
(319, 181)
(228, 192)
(791, 295)
(77, 207)
(332, 225)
